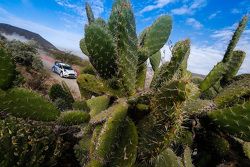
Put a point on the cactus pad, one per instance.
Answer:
(167, 158)
(91, 83)
(84, 47)
(101, 48)
(166, 72)
(213, 77)
(97, 104)
(90, 14)
(233, 92)
(236, 37)
(23, 103)
(141, 76)
(187, 158)
(234, 65)
(234, 120)
(165, 113)
(246, 149)
(125, 152)
(123, 29)
(155, 60)
(157, 35)
(69, 118)
(109, 134)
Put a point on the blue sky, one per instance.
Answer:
(208, 23)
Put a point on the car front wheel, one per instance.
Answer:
(61, 75)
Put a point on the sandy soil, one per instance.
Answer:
(48, 62)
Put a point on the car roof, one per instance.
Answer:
(63, 64)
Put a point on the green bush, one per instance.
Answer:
(80, 105)
(61, 104)
(28, 143)
(73, 118)
(61, 97)
(56, 91)
(37, 64)
(67, 57)
(24, 103)
(7, 70)
(24, 54)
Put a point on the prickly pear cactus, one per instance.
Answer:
(234, 120)
(24, 103)
(114, 47)
(131, 126)
(246, 149)
(125, 123)
(229, 66)
(167, 158)
(28, 143)
(155, 60)
(166, 73)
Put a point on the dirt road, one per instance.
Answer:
(48, 62)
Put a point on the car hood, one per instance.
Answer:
(70, 71)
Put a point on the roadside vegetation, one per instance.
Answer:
(179, 120)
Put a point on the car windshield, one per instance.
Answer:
(67, 68)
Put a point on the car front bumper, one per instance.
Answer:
(70, 76)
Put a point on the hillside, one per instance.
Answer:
(12, 30)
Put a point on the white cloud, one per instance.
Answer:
(60, 38)
(97, 7)
(157, 5)
(224, 35)
(194, 23)
(222, 38)
(181, 11)
(202, 59)
(235, 11)
(78, 8)
(214, 15)
(14, 36)
(191, 8)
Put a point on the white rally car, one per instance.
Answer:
(64, 70)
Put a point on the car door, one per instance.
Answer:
(58, 68)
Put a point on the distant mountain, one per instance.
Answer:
(198, 75)
(18, 33)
